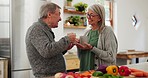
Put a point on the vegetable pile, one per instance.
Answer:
(104, 71)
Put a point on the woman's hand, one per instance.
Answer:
(77, 43)
(74, 43)
(84, 46)
(80, 46)
(87, 46)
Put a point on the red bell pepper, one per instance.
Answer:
(124, 71)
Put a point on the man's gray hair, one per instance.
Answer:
(48, 7)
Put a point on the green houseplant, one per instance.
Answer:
(81, 6)
(69, 2)
(74, 20)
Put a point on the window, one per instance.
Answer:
(108, 5)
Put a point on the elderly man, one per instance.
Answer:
(44, 53)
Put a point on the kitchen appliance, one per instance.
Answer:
(16, 16)
(23, 14)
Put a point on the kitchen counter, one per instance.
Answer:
(122, 56)
(72, 63)
(141, 66)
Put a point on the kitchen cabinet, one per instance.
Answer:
(3, 67)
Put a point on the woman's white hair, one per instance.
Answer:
(99, 9)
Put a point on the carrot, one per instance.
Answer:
(86, 73)
(137, 74)
(91, 71)
(145, 74)
(135, 70)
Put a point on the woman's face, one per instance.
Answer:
(93, 18)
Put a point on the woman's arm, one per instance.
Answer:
(107, 47)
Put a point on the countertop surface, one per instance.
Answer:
(141, 66)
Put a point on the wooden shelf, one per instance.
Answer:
(73, 12)
(75, 27)
(72, 26)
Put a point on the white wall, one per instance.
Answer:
(128, 37)
(146, 40)
(146, 29)
(59, 31)
(4, 18)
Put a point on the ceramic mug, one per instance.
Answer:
(83, 39)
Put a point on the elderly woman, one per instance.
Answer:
(102, 45)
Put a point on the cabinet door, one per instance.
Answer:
(23, 74)
(3, 68)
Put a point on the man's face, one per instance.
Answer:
(55, 18)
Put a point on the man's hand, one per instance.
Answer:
(70, 46)
(72, 37)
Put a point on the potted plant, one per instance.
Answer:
(69, 2)
(81, 6)
(74, 20)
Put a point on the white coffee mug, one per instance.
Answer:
(83, 39)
